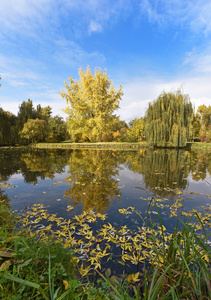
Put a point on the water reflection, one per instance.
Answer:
(164, 171)
(92, 179)
(32, 164)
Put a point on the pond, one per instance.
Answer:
(107, 181)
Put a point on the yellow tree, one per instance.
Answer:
(204, 113)
(93, 100)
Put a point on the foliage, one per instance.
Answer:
(34, 130)
(168, 119)
(57, 130)
(43, 113)
(204, 116)
(136, 130)
(11, 126)
(179, 262)
(93, 100)
(8, 130)
(196, 127)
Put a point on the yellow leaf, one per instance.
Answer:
(65, 284)
(5, 265)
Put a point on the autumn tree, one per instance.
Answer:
(168, 119)
(204, 116)
(92, 100)
(136, 130)
(34, 130)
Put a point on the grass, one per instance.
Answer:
(37, 265)
(105, 145)
(205, 147)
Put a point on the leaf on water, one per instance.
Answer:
(69, 207)
(98, 247)
(44, 192)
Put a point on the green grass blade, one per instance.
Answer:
(155, 284)
(26, 282)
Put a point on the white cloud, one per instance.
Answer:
(140, 91)
(94, 27)
(49, 97)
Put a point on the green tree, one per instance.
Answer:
(168, 119)
(8, 132)
(43, 113)
(34, 130)
(57, 130)
(93, 100)
(26, 111)
(196, 127)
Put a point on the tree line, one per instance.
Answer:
(92, 100)
(31, 125)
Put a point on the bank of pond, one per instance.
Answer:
(100, 224)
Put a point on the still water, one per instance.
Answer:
(107, 181)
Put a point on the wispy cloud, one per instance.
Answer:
(83, 16)
(199, 62)
(194, 15)
(72, 54)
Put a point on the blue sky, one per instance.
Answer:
(146, 45)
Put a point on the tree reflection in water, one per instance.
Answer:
(92, 179)
(93, 174)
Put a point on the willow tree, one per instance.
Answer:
(168, 120)
(92, 100)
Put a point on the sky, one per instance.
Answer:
(147, 46)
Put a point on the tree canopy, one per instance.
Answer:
(204, 118)
(93, 100)
(34, 130)
(168, 119)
